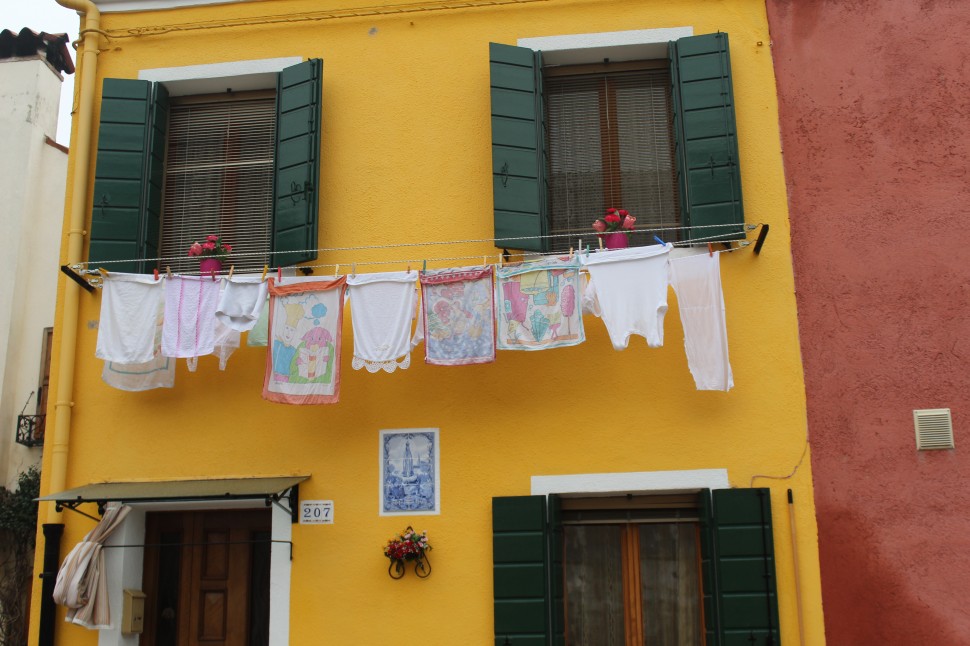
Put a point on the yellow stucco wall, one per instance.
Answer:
(407, 158)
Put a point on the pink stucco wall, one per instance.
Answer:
(875, 119)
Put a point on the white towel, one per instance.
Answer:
(159, 372)
(190, 316)
(631, 289)
(129, 309)
(383, 307)
(700, 299)
(243, 300)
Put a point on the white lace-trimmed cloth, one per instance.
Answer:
(82, 585)
(383, 309)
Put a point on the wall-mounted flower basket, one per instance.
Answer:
(408, 546)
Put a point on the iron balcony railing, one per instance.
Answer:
(30, 430)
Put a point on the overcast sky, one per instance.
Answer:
(46, 15)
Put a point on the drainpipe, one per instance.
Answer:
(57, 472)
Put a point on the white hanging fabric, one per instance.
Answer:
(383, 310)
(697, 282)
(129, 309)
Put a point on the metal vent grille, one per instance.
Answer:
(934, 429)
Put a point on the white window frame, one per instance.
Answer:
(580, 49)
(637, 482)
(124, 566)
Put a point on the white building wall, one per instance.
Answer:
(32, 182)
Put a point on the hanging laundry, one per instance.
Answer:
(459, 318)
(226, 342)
(242, 302)
(697, 282)
(539, 305)
(190, 321)
(383, 308)
(129, 310)
(159, 372)
(305, 324)
(257, 337)
(630, 288)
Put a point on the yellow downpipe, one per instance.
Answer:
(87, 70)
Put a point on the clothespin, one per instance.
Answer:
(710, 249)
(409, 267)
(279, 274)
(601, 243)
(659, 241)
(424, 266)
(500, 260)
(232, 268)
(168, 271)
(570, 253)
(155, 273)
(336, 269)
(353, 269)
(103, 272)
(263, 276)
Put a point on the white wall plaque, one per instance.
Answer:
(316, 512)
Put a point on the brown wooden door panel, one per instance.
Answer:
(211, 600)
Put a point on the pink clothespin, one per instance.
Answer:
(710, 249)
(155, 272)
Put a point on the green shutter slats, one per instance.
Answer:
(297, 172)
(518, 148)
(557, 584)
(708, 559)
(521, 570)
(155, 174)
(747, 606)
(132, 114)
(708, 169)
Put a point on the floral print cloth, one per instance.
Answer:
(538, 305)
(303, 357)
(459, 319)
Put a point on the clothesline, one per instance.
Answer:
(416, 262)
(573, 235)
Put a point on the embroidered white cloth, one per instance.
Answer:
(129, 308)
(383, 308)
(159, 372)
(190, 321)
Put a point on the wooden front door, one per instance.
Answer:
(207, 578)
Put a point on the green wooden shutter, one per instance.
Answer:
(557, 583)
(128, 173)
(296, 186)
(745, 568)
(708, 169)
(518, 147)
(708, 559)
(520, 558)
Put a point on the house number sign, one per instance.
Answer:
(316, 512)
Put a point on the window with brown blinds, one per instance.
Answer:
(610, 144)
(219, 179)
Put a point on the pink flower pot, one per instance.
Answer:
(210, 266)
(616, 240)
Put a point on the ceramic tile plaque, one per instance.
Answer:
(410, 480)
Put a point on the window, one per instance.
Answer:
(656, 137)
(693, 569)
(171, 171)
(219, 177)
(631, 570)
(609, 133)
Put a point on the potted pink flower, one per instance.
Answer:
(615, 228)
(211, 254)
